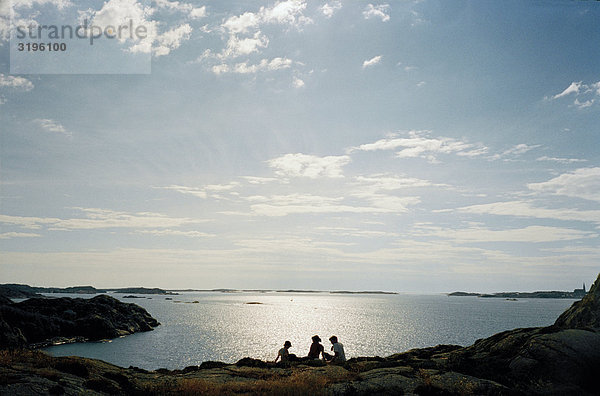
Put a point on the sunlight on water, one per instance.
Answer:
(225, 327)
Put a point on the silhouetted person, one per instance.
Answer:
(339, 356)
(284, 353)
(316, 348)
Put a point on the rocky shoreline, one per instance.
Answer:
(562, 359)
(40, 321)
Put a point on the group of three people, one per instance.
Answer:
(316, 351)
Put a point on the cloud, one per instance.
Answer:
(311, 166)
(121, 12)
(243, 46)
(377, 11)
(284, 205)
(513, 152)
(527, 209)
(585, 92)
(371, 62)
(259, 180)
(328, 9)
(419, 145)
(52, 126)
(207, 191)
(171, 39)
(190, 10)
(244, 68)
(169, 232)
(573, 88)
(15, 82)
(582, 183)
(530, 234)
(10, 235)
(561, 160)
(297, 83)
(98, 219)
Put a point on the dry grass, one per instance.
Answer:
(296, 384)
(11, 357)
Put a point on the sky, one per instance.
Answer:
(409, 146)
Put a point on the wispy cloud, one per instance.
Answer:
(98, 219)
(530, 234)
(585, 92)
(514, 152)
(169, 232)
(560, 160)
(52, 126)
(15, 82)
(372, 62)
(328, 9)
(582, 183)
(311, 166)
(245, 68)
(377, 11)
(418, 144)
(11, 235)
(528, 209)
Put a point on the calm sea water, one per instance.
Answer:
(224, 327)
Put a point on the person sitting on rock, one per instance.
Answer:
(316, 349)
(339, 355)
(284, 352)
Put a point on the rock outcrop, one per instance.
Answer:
(40, 320)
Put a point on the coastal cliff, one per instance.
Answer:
(561, 359)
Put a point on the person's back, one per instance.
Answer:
(316, 349)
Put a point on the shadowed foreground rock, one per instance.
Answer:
(562, 359)
(42, 320)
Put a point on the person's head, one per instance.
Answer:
(333, 339)
(316, 338)
(287, 344)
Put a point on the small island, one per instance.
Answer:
(575, 294)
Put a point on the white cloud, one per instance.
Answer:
(121, 12)
(583, 105)
(514, 151)
(52, 126)
(15, 82)
(580, 90)
(189, 9)
(418, 144)
(243, 46)
(527, 209)
(377, 11)
(311, 166)
(573, 88)
(582, 183)
(10, 235)
(170, 40)
(328, 9)
(259, 180)
(297, 83)
(244, 68)
(372, 62)
(241, 23)
(100, 218)
(561, 160)
(531, 234)
(283, 205)
(169, 232)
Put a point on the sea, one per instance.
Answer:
(228, 326)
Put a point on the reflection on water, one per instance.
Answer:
(224, 327)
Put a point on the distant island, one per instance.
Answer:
(575, 294)
(14, 290)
